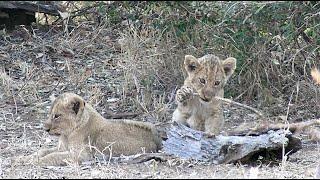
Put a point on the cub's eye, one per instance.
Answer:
(57, 116)
(202, 81)
(217, 83)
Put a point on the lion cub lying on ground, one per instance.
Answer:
(84, 132)
(206, 79)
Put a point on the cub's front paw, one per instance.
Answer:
(184, 93)
(209, 135)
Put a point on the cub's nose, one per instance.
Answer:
(208, 94)
(47, 129)
(207, 97)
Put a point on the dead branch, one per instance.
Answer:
(294, 128)
(241, 105)
(31, 6)
(238, 104)
(86, 10)
(146, 157)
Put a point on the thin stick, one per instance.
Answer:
(241, 105)
(294, 128)
(238, 104)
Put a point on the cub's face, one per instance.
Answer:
(208, 74)
(64, 114)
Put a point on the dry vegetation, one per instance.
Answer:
(130, 59)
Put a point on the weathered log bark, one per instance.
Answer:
(187, 143)
(14, 13)
(30, 6)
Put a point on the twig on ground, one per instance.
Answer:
(241, 105)
(147, 157)
(294, 128)
(238, 104)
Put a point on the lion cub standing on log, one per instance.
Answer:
(83, 132)
(206, 79)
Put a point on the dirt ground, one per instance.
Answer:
(23, 136)
(35, 65)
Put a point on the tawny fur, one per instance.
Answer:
(315, 75)
(83, 133)
(207, 77)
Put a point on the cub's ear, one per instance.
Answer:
(77, 105)
(190, 63)
(229, 66)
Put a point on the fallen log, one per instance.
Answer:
(50, 8)
(188, 143)
(14, 13)
(271, 141)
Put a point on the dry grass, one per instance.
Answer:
(151, 67)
